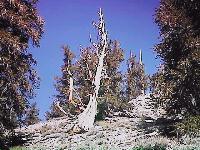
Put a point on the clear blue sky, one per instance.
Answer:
(70, 22)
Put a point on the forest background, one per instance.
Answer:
(130, 22)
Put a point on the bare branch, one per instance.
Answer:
(78, 96)
(104, 74)
(90, 73)
(93, 43)
(57, 104)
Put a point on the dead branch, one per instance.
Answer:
(57, 104)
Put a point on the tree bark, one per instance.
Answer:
(71, 84)
(87, 117)
(142, 65)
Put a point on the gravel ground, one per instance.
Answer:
(112, 133)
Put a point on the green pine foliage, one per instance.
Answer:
(190, 126)
(111, 85)
(32, 115)
(149, 147)
(18, 78)
(179, 50)
(62, 87)
(136, 79)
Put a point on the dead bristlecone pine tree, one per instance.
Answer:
(87, 117)
(64, 101)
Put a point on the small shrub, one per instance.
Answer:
(101, 107)
(155, 147)
(190, 125)
(18, 148)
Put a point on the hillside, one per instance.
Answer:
(116, 132)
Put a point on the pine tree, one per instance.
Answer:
(96, 76)
(20, 24)
(66, 101)
(54, 112)
(110, 89)
(159, 92)
(87, 117)
(86, 67)
(136, 79)
(32, 115)
(132, 90)
(179, 49)
(112, 84)
(158, 85)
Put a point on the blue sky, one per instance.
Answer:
(69, 22)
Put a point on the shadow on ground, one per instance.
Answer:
(164, 126)
(13, 140)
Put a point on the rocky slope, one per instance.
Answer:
(112, 133)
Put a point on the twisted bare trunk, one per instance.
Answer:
(87, 117)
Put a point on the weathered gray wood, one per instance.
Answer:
(87, 117)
